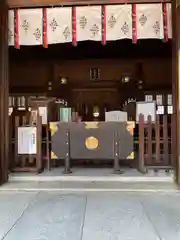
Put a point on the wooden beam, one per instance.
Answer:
(4, 88)
(42, 3)
(177, 57)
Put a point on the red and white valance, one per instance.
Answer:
(149, 21)
(118, 22)
(88, 23)
(30, 26)
(59, 25)
(45, 26)
(11, 28)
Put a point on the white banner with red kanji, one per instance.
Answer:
(118, 22)
(30, 26)
(149, 21)
(88, 23)
(59, 25)
(11, 28)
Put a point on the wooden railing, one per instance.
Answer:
(152, 145)
(154, 142)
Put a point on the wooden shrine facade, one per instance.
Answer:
(15, 38)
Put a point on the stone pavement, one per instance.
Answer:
(89, 216)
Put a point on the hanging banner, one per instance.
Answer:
(169, 20)
(11, 28)
(59, 28)
(118, 22)
(27, 140)
(30, 27)
(149, 21)
(95, 23)
(88, 23)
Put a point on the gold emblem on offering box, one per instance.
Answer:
(91, 143)
(89, 125)
(53, 127)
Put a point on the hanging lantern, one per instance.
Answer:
(140, 76)
(96, 111)
(63, 80)
(140, 84)
(125, 79)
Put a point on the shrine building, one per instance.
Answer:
(89, 82)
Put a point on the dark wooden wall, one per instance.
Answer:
(32, 77)
(32, 68)
(157, 72)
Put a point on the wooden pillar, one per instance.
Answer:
(176, 84)
(4, 92)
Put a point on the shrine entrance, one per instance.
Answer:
(102, 85)
(79, 82)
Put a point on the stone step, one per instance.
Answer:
(88, 186)
(108, 178)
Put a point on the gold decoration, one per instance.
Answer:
(130, 127)
(91, 143)
(89, 125)
(53, 156)
(131, 156)
(53, 128)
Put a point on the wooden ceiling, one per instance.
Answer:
(42, 3)
(122, 49)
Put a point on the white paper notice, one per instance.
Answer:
(146, 109)
(115, 116)
(43, 114)
(27, 141)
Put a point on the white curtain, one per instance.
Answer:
(149, 19)
(11, 28)
(118, 22)
(88, 23)
(30, 27)
(59, 25)
(169, 20)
